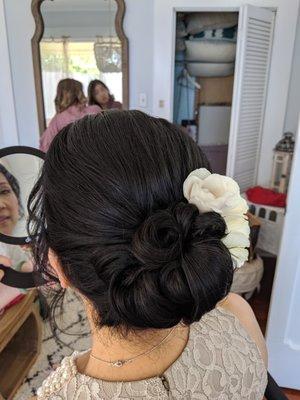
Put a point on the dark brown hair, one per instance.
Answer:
(14, 184)
(69, 92)
(110, 204)
(91, 90)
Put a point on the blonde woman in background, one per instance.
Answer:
(71, 105)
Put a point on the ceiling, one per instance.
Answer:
(77, 5)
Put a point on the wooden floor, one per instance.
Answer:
(260, 304)
(260, 301)
(292, 394)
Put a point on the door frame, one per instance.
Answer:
(168, 109)
(245, 11)
(279, 76)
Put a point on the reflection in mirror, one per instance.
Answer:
(18, 174)
(80, 42)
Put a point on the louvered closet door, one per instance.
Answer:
(254, 46)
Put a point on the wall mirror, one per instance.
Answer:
(82, 40)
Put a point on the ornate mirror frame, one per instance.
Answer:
(36, 56)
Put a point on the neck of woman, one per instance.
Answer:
(111, 345)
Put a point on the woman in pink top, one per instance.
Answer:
(71, 105)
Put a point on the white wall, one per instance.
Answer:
(293, 104)
(20, 29)
(8, 123)
(283, 329)
(214, 125)
(138, 27)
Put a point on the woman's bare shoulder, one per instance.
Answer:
(243, 311)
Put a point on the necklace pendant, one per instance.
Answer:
(118, 363)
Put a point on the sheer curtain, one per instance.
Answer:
(64, 58)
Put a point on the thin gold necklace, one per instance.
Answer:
(120, 363)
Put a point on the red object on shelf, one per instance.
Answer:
(268, 197)
(16, 300)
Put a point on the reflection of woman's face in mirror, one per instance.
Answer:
(9, 207)
(101, 95)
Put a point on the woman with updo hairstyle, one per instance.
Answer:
(70, 105)
(152, 270)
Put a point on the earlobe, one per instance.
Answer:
(56, 265)
(63, 283)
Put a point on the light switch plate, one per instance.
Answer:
(143, 100)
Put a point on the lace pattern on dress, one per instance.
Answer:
(220, 362)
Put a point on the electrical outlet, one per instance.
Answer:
(143, 100)
(161, 103)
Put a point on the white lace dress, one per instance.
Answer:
(219, 362)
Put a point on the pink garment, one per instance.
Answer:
(114, 105)
(60, 120)
(8, 294)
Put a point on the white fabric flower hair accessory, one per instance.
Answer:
(214, 192)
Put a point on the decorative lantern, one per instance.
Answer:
(108, 54)
(282, 162)
(108, 50)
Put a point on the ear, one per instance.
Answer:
(56, 265)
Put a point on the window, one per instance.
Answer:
(262, 213)
(252, 209)
(273, 216)
(61, 58)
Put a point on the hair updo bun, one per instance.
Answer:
(110, 204)
(183, 269)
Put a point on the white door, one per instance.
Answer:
(283, 330)
(254, 45)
